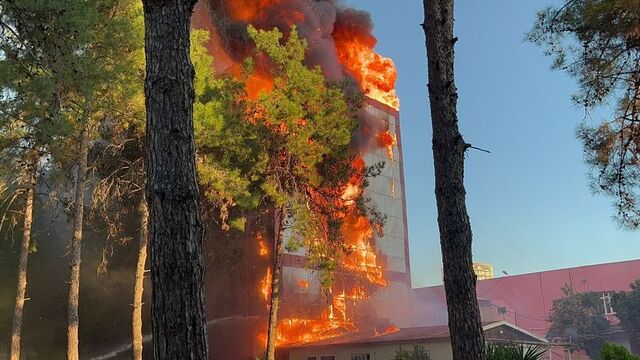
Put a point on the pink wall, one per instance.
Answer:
(529, 297)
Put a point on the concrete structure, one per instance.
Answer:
(525, 300)
(435, 339)
(387, 195)
(483, 271)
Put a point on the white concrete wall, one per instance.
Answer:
(438, 351)
(387, 194)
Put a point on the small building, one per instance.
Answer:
(483, 271)
(435, 339)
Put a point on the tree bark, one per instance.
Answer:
(138, 289)
(274, 301)
(175, 243)
(467, 340)
(76, 243)
(16, 330)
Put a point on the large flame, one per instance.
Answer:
(360, 262)
(375, 73)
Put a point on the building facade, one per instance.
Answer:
(387, 195)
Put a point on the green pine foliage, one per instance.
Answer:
(304, 126)
(616, 352)
(597, 42)
(229, 159)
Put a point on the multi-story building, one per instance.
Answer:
(483, 271)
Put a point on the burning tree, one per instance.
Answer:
(305, 127)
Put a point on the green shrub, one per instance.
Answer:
(513, 352)
(418, 353)
(616, 352)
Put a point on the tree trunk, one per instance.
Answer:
(467, 340)
(274, 302)
(177, 268)
(16, 330)
(76, 243)
(138, 289)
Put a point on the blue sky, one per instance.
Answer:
(529, 200)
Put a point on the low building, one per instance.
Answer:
(525, 300)
(435, 339)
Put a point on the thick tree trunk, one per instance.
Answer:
(76, 244)
(138, 289)
(274, 302)
(467, 340)
(175, 227)
(16, 330)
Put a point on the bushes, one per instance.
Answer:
(513, 352)
(616, 352)
(418, 353)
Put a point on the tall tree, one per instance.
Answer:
(73, 352)
(467, 339)
(176, 230)
(29, 123)
(104, 65)
(21, 289)
(304, 127)
(118, 161)
(598, 43)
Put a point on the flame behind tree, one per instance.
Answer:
(305, 127)
(340, 39)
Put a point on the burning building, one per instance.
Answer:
(375, 273)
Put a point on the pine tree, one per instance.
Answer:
(467, 339)
(118, 156)
(30, 125)
(598, 43)
(304, 127)
(175, 224)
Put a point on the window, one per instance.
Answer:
(360, 357)
(606, 303)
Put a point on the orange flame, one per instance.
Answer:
(265, 287)
(375, 73)
(388, 141)
(390, 330)
(246, 10)
(263, 250)
(337, 318)
(258, 83)
(362, 259)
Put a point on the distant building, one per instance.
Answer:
(483, 271)
(525, 300)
